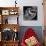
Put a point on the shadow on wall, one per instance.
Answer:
(37, 29)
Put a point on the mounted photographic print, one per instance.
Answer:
(5, 12)
(30, 12)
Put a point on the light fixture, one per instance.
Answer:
(15, 30)
(15, 3)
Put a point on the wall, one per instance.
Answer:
(22, 3)
(37, 3)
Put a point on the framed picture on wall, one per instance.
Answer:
(10, 20)
(5, 12)
(30, 12)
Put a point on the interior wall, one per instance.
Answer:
(22, 3)
(37, 3)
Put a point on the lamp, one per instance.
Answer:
(15, 37)
(15, 30)
(15, 3)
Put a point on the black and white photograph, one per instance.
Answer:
(30, 12)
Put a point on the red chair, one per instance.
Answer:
(29, 33)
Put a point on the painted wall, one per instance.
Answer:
(37, 3)
(21, 3)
